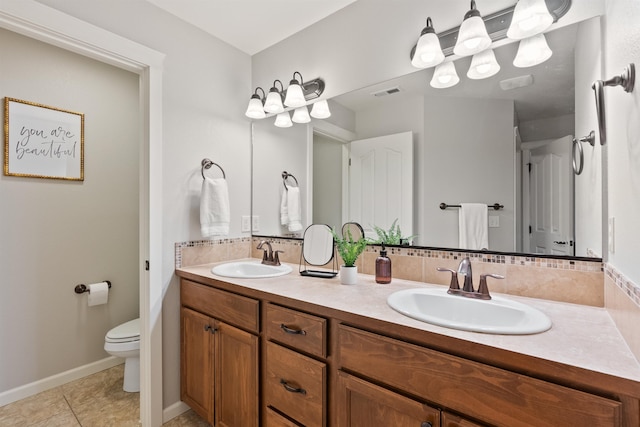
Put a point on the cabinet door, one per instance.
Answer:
(450, 420)
(236, 370)
(196, 387)
(362, 404)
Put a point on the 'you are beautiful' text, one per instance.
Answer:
(57, 143)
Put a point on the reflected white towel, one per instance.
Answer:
(284, 210)
(214, 207)
(294, 210)
(473, 226)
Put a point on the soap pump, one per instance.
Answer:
(383, 267)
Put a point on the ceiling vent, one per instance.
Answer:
(386, 92)
(516, 82)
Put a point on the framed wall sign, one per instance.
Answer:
(42, 141)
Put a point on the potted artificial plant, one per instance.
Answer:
(393, 236)
(349, 250)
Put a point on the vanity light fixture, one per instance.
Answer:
(320, 110)
(428, 52)
(255, 110)
(532, 51)
(283, 120)
(530, 17)
(294, 97)
(445, 76)
(273, 104)
(301, 115)
(483, 65)
(472, 36)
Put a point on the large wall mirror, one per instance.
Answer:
(506, 140)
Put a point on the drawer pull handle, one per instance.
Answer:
(426, 424)
(291, 388)
(292, 331)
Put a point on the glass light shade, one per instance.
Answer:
(283, 120)
(273, 103)
(301, 115)
(530, 17)
(445, 76)
(428, 51)
(320, 110)
(255, 109)
(483, 65)
(294, 97)
(532, 51)
(472, 37)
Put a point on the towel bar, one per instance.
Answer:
(495, 206)
(206, 164)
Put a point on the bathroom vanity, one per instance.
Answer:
(292, 351)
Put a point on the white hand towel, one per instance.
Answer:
(284, 210)
(214, 207)
(473, 226)
(294, 210)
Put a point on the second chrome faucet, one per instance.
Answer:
(464, 269)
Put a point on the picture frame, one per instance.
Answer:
(42, 141)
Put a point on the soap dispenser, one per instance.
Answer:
(383, 267)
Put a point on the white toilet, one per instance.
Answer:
(124, 341)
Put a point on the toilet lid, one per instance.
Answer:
(126, 331)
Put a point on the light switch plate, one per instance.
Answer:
(255, 223)
(494, 221)
(246, 224)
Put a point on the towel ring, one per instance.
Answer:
(591, 139)
(206, 164)
(286, 175)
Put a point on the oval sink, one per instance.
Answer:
(496, 316)
(250, 270)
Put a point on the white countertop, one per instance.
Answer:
(581, 336)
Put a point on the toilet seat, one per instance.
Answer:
(127, 332)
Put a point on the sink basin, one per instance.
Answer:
(496, 316)
(250, 270)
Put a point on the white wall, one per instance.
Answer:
(622, 46)
(482, 171)
(206, 85)
(588, 185)
(327, 181)
(56, 234)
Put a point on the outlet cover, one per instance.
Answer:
(246, 224)
(612, 235)
(255, 223)
(494, 221)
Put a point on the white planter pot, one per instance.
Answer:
(348, 275)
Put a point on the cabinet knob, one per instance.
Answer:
(209, 328)
(426, 424)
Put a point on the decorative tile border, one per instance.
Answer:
(628, 287)
(202, 243)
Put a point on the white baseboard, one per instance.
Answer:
(53, 381)
(170, 412)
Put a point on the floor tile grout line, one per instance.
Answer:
(71, 408)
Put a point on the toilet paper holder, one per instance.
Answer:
(82, 288)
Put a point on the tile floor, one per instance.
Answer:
(93, 401)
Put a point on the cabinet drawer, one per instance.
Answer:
(295, 385)
(299, 330)
(231, 308)
(273, 419)
(480, 391)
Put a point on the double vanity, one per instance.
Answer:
(285, 350)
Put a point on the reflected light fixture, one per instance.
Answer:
(483, 65)
(301, 115)
(532, 51)
(294, 97)
(530, 17)
(320, 110)
(472, 36)
(273, 103)
(428, 52)
(283, 120)
(255, 110)
(445, 76)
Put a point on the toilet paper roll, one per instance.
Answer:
(98, 293)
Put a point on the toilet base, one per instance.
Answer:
(131, 383)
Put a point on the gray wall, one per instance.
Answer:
(56, 234)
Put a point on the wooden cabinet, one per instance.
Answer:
(219, 365)
(362, 404)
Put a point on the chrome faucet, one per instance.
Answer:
(269, 257)
(464, 268)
